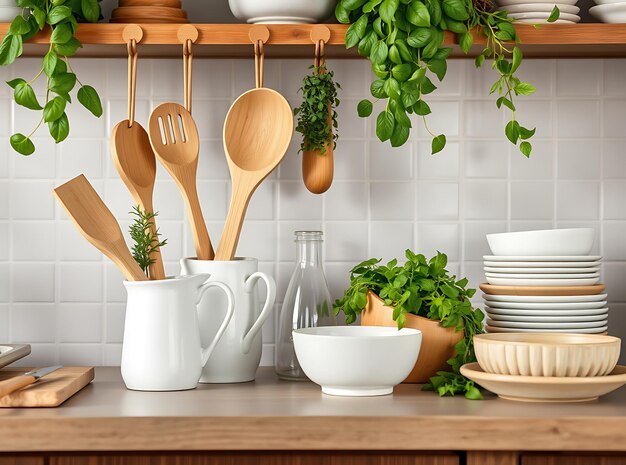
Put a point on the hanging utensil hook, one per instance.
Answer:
(259, 35)
(132, 35)
(320, 35)
(187, 35)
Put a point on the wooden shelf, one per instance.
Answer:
(293, 41)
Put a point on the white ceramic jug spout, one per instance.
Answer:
(248, 338)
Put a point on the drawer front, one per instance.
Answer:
(21, 460)
(573, 459)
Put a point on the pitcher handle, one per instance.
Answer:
(206, 352)
(246, 340)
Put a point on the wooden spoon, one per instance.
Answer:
(135, 162)
(174, 138)
(257, 133)
(97, 224)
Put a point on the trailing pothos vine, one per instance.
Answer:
(317, 111)
(62, 16)
(425, 288)
(404, 41)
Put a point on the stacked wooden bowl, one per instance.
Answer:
(149, 12)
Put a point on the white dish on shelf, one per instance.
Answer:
(614, 13)
(540, 271)
(542, 16)
(282, 11)
(519, 2)
(599, 330)
(540, 7)
(546, 264)
(542, 275)
(607, 2)
(542, 258)
(546, 318)
(543, 282)
(569, 242)
(543, 21)
(546, 298)
(535, 325)
(546, 305)
(554, 313)
(545, 388)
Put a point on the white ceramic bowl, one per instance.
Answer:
(555, 242)
(282, 11)
(545, 354)
(610, 13)
(357, 360)
(8, 13)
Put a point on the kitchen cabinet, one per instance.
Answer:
(21, 460)
(569, 459)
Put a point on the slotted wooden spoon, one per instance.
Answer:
(97, 224)
(132, 154)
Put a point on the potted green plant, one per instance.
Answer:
(420, 294)
(61, 18)
(404, 41)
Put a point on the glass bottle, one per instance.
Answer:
(307, 303)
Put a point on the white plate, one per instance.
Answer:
(587, 264)
(543, 282)
(546, 298)
(607, 2)
(540, 7)
(546, 305)
(611, 13)
(542, 258)
(522, 325)
(525, 2)
(555, 313)
(601, 329)
(496, 269)
(547, 319)
(542, 275)
(543, 15)
(543, 21)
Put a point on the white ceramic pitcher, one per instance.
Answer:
(162, 348)
(238, 354)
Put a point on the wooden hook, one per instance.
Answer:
(132, 35)
(187, 35)
(320, 35)
(259, 35)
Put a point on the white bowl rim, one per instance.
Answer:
(608, 6)
(508, 338)
(385, 332)
(539, 231)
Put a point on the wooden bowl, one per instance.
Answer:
(148, 12)
(437, 342)
(142, 20)
(166, 3)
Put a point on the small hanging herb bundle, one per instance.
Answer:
(145, 239)
(62, 16)
(425, 288)
(404, 41)
(317, 115)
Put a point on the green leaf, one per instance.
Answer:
(401, 118)
(379, 54)
(402, 72)
(473, 393)
(24, 95)
(60, 128)
(400, 136)
(369, 6)
(517, 59)
(61, 34)
(366, 43)
(456, 26)
(427, 86)
(69, 48)
(524, 88)
(62, 83)
(392, 88)
(419, 37)
(526, 148)
(58, 14)
(40, 17)
(91, 10)
(554, 15)
(421, 108)
(385, 125)
(512, 131)
(417, 14)
(388, 9)
(455, 9)
(351, 5)
(394, 55)
(526, 133)
(364, 108)
(377, 88)
(438, 144)
(54, 109)
(466, 41)
(10, 49)
(439, 67)
(22, 144)
(50, 63)
(342, 15)
(352, 36)
(13, 83)
(405, 53)
(19, 26)
(480, 59)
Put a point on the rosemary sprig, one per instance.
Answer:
(145, 237)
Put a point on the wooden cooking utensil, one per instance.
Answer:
(174, 138)
(132, 153)
(166, 3)
(97, 224)
(148, 12)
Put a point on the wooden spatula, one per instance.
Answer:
(97, 224)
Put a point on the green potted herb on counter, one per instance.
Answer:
(420, 294)
(61, 17)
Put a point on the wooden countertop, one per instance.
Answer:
(269, 414)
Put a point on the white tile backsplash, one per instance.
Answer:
(59, 293)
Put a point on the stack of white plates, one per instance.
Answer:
(538, 11)
(609, 11)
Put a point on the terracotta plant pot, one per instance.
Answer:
(437, 342)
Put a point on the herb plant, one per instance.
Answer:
(145, 238)
(319, 97)
(425, 288)
(404, 41)
(62, 16)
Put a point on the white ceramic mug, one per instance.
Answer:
(238, 354)
(162, 348)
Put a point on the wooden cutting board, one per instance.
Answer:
(50, 391)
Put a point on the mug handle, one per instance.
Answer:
(206, 352)
(246, 340)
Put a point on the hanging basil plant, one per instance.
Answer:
(62, 16)
(404, 41)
